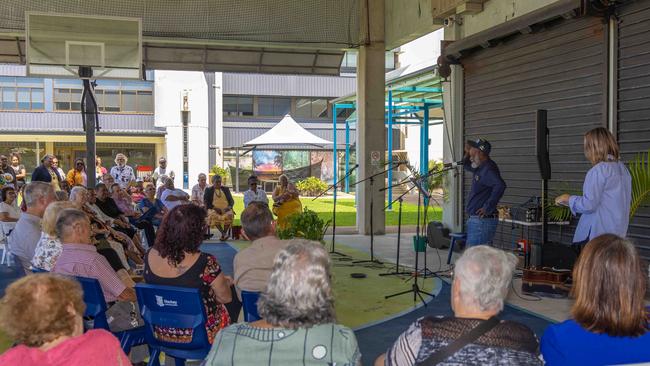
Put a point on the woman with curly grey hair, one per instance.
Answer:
(298, 319)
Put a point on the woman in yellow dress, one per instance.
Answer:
(286, 201)
(219, 202)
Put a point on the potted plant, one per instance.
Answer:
(305, 225)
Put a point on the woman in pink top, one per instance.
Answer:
(43, 314)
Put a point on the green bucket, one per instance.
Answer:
(421, 245)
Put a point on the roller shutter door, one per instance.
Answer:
(560, 68)
(633, 125)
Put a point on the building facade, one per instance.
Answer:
(42, 116)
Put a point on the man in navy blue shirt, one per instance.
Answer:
(487, 189)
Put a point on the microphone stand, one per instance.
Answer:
(335, 186)
(399, 227)
(371, 178)
(415, 288)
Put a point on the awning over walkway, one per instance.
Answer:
(287, 132)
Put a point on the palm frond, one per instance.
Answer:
(640, 172)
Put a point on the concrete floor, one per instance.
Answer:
(436, 260)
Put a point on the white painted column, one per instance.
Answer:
(371, 132)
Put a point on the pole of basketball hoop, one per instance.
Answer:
(90, 122)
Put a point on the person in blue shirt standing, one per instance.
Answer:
(486, 191)
(606, 193)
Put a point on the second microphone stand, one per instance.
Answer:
(371, 178)
(335, 186)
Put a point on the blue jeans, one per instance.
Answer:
(480, 231)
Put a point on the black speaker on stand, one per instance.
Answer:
(544, 162)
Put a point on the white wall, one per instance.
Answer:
(218, 96)
(425, 49)
(169, 88)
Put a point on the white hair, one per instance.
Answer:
(485, 274)
(123, 156)
(36, 190)
(299, 292)
(76, 190)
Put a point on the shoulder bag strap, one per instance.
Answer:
(461, 342)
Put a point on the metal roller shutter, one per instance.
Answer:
(560, 68)
(634, 100)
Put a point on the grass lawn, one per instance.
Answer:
(346, 212)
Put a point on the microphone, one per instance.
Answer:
(352, 169)
(453, 164)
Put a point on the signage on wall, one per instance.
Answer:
(375, 158)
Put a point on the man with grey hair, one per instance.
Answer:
(253, 265)
(481, 281)
(79, 257)
(25, 236)
(298, 324)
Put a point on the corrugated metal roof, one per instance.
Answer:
(71, 122)
(288, 85)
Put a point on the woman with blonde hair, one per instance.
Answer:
(43, 314)
(286, 201)
(608, 324)
(49, 246)
(606, 193)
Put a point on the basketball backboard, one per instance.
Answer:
(58, 44)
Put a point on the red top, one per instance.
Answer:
(96, 347)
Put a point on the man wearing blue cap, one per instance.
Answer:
(487, 189)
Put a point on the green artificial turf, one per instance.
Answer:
(361, 301)
(346, 211)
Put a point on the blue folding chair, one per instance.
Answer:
(39, 270)
(249, 303)
(96, 310)
(173, 307)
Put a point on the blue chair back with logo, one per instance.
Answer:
(249, 303)
(180, 308)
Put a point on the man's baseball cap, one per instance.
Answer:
(481, 144)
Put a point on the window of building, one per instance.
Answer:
(113, 96)
(311, 108)
(21, 94)
(234, 105)
(273, 106)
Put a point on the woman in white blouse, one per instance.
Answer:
(49, 246)
(9, 211)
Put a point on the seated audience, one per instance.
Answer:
(481, 281)
(123, 201)
(49, 246)
(199, 190)
(253, 265)
(113, 245)
(172, 197)
(43, 314)
(108, 206)
(253, 194)
(137, 192)
(219, 203)
(609, 324)
(297, 311)
(108, 180)
(26, 234)
(79, 257)
(152, 208)
(286, 201)
(9, 211)
(175, 260)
